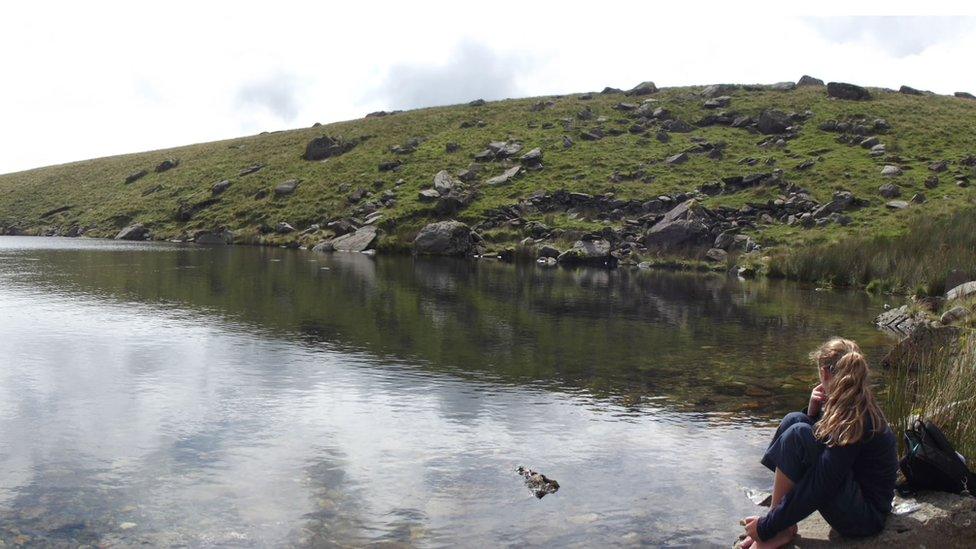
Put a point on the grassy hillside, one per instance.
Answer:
(93, 195)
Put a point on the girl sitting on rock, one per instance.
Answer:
(838, 457)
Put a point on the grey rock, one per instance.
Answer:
(286, 188)
(219, 187)
(133, 177)
(806, 80)
(964, 95)
(593, 252)
(250, 169)
(444, 238)
(428, 195)
(477, 103)
(687, 223)
(506, 176)
(897, 204)
(715, 90)
(843, 90)
(719, 102)
(284, 228)
(783, 86)
(772, 121)
(444, 182)
(644, 88)
(361, 240)
(954, 315)
(717, 255)
(133, 232)
(889, 190)
(549, 251)
(214, 238)
(532, 159)
(676, 159)
(965, 289)
(909, 90)
(167, 165)
(891, 171)
(325, 146)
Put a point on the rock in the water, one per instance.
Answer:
(843, 90)
(133, 177)
(326, 146)
(772, 121)
(589, 252)
(540, 485)
(286, 188)
(445, 238)
(806, 80)
(133, 232)
(505, 177)
(167, 164)
(359, 241)
(644, 88)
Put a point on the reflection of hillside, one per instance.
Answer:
(678, 335)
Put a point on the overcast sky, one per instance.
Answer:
(87, 79)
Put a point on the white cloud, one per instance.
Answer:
(97, 78)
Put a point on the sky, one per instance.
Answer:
(81, 80)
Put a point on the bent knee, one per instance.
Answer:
(800, 431)
(794, 418)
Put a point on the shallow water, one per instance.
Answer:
(169, 395)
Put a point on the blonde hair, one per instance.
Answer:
(850, 401)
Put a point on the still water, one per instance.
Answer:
(165, 395)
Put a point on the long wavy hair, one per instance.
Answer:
(850, 407)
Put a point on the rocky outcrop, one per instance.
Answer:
(644, 88)
(325, 146)
(843, 90)
(133, 232)
(445, 238)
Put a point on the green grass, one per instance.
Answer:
(924, 128)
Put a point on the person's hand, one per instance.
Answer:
(751, 525)
(817, 398)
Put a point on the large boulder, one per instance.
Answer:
(926, 344)
(326, 146)
(644, 88)
(444, 238)
(960, 291)
(843, 90)
(686, 224)
(133, 232)
(772, 121)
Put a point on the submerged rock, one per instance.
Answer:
(540, 485)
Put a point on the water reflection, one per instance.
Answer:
(255, 397)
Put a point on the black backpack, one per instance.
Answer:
(931, 463)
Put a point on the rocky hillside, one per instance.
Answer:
(703, 173)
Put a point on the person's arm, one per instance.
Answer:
(820, 483)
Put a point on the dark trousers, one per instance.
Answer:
(794, 451)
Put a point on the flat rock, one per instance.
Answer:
(358, 241)
(505, 177)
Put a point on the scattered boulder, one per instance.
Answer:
(133, 177)
(931, 182)
(286, 188)
(549, 251)
(940, 166)
(444, 182)
(783, 86)
(452, 147)
(390, 165)
(608, 90)
(891, 171)
(133, 232)
(284, 228)
(897, 204)
(715, 90)
(676, 159)
(532, 159)
(588, 252)
(644, 88)
(250, 169)
(428, 195)
(167, 164)
(477, 103)
(843, 90)
(890, 190)
(772, 121)
(807, 80)
(923, 344)
(219, 187)
(907, 90)
(964, 95)
(719, 102)
(677, 126)
(445, 238)
(505, 177)
(325, 146)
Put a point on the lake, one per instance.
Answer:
(175, 395)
